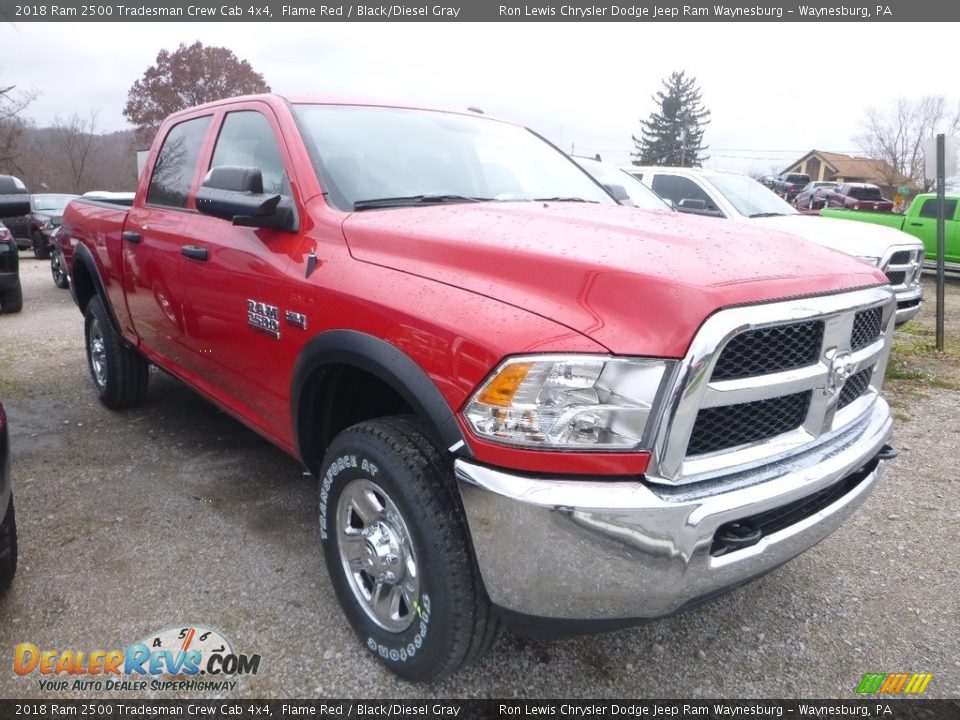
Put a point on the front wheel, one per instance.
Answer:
(58, 271)
(397, 550)
(41, 248)
(119, 373)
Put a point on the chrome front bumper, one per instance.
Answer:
(601, 549)
(908, 303)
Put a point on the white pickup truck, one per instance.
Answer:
(742, 199)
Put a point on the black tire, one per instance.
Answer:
(441, 618)
(41, 248)
(58, 271)
(11, 300)
(8, 548)
(119, 373)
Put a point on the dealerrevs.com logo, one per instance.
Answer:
(894, 683)
(189, 658)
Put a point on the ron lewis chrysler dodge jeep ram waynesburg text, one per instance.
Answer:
(523, 403)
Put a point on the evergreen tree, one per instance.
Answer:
(673, 134)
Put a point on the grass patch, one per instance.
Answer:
(901, 417)
(9, 386)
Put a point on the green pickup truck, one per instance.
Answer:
(920, 220)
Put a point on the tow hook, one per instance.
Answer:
(887, 452)
(735, 535)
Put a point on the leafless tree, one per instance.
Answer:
(73, 140)
(12, 104)
(897, 135)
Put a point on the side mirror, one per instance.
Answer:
(619, 193)
(236, 194)
(693, 204)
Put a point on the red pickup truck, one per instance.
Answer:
(522, 402)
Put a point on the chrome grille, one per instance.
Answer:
(866, 328)
(770, 349)
(902, 268)
(854, 387)
(740, 398)
(723, 427)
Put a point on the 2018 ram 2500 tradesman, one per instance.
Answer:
(520, 400)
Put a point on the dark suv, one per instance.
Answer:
(18, 223)
(789, 185)
(11, 295)
(14, 202)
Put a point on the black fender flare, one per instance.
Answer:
(83, 256)
(387, 363)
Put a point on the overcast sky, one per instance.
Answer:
(776, 91)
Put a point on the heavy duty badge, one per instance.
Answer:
(264, 318)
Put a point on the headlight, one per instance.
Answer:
(875, 261)
(583, 402)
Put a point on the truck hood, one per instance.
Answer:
(636, 282)
(858, 239)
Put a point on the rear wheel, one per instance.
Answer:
(11, 300)
(119, 373)
(398, 553)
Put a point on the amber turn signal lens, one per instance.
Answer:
(500, 390)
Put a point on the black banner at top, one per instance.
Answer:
(630, 11)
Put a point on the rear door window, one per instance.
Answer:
(174, 170)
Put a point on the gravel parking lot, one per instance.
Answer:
(175, 514)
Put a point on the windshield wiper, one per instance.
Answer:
(760, 215)
(563, 199)
(413, 200)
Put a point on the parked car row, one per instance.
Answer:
(920, 221)
(37, 220)
(46, 213)
(858, 196)
(739, 198)
(789, 185)
(813, 196)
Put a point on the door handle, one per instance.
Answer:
(917, 224)
(194, 253)
(131, 237)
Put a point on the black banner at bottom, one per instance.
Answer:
(913, 709)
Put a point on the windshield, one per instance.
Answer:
(749, 197)
(55, 203)
(405, 157)
(798, 178)
(641, 196)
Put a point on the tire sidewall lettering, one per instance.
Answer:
(409, 648)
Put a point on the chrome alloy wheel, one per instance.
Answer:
(377, 555)
(59, 274)
(96, 348)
